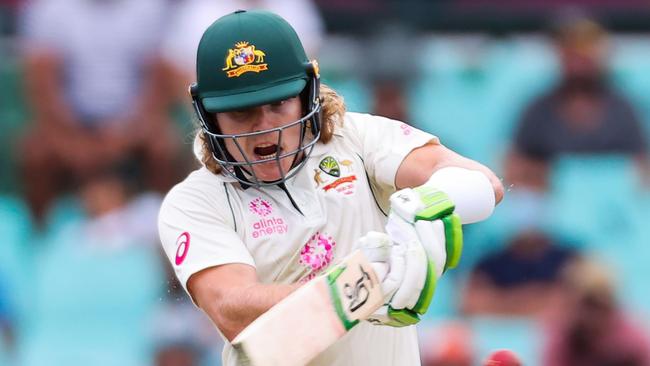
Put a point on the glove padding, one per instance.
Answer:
(422, 221)
(387, 260)
(422, 207)
(402, 268)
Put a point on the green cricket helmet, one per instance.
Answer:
(247, 59)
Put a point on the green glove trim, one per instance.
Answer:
(437, 204)
(426, 296)
(392, 323)
(453, 240)
(403, 317)
(336, 297)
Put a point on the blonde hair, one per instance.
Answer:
(332, 111)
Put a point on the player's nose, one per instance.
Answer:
(263, 119)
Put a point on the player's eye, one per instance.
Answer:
(241, 115)
(278, 103)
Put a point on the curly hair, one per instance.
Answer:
(333, 109)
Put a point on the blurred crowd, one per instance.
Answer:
(96, 127)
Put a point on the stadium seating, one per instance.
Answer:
(596, 198)
(17, 248)
(523, 336)
(13, 114)
(92, 300)
(472, 91)
(600, 199)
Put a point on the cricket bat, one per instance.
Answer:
(312, 318)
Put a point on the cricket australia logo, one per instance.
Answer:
(244, 58)
(332, 167)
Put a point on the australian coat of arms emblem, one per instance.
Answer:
(244, 58)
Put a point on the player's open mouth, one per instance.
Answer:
(266, 151)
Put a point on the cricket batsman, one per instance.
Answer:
(291, 184)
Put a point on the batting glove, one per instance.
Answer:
(423, 223)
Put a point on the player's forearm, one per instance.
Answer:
(235, 308)
(419, 165)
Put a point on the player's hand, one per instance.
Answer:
(387, 259)
(422, 221)
(431, 212)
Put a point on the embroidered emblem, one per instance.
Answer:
(330, 166)
(260, 207)
(347, 164)
(244, 58)
(317, 178)
(317, 253)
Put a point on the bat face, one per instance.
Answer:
(313, 317)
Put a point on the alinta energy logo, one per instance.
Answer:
(260, 207)
(266, 226)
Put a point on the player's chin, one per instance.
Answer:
(271, 170)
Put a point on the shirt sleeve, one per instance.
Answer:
(197, 231)
(384, 143)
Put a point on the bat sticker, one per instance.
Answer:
(358, 295)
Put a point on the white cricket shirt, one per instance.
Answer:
(340, 194)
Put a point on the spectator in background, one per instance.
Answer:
(583, 114)
(590, 328)
(387, 75)
(7, 15)
(96, 87)
(192, 18)
(523, 278)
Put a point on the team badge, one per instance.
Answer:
(330, 166)
(244, 58)
(336, 179)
